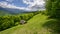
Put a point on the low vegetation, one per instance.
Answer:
(8, 21)
(33, 26)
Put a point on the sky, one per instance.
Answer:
(29, 5)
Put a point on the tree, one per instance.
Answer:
(53, 8)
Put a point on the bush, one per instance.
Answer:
(53, 8)
(9, 21)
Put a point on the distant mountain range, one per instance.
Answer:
(13, 11)
(9, 10)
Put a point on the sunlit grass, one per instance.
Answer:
(33, 26)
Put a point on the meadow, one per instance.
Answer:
(40, 23)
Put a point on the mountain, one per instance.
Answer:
(2, 12)
(12, 11)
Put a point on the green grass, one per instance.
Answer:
(34, 26)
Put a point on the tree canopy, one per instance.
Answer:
(53, 8)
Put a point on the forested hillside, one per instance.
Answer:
(3, 13)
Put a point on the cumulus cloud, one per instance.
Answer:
(27, 1)
(33, 5)
(7, 5)
(36, 4)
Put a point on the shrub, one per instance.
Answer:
(9, 21)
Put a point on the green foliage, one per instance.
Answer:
(53, 8)
(9, 21)
(33, 26)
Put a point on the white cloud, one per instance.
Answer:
(27, 2)
(38, 2)
(7, 5)
(33, 6)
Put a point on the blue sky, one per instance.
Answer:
(29, 5)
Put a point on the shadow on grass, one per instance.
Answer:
(53, 26)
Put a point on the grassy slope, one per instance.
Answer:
(34, 26)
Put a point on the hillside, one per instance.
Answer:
(34, 26)
(2, 12)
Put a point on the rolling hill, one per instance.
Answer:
(2, 12)
(33, 26)
(14, 11)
